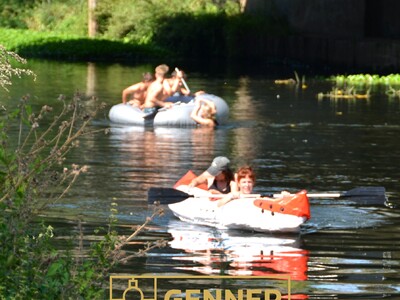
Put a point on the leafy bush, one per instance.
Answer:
(32, 176)
(69, 47)
(142, 29)
(14, 12)
(137, 21)
(60, 17)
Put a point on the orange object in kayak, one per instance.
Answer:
(187, 178)
(296, 205)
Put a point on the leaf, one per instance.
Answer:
(54, 269)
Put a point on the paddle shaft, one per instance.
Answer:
(361, 195)
(311, 195)
(183, 81)
(323, 195)
(326, 195)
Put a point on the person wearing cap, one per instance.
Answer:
(219, 177)
(160, 89)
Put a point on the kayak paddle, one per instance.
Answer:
(183, 81)
(166, 195)
(366, 195)
(359, 196)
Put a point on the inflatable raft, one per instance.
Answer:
(178, 115)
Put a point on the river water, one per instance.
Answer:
(293, 140)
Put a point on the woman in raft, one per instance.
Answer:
(204, 113)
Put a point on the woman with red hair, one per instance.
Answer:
(245, 180)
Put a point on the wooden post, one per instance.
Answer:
(243, 4)
(92, 24)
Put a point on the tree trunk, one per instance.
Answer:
(92, 24)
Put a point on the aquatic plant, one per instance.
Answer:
(362, 85)
(290, 81)
(349, 93)
(366, 79)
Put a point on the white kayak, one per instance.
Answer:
(260, 214)
(177, 115)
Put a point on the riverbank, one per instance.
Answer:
(335, 55)
(31, 44)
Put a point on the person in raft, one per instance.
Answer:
(182, 91)
(204, 112)
(218, 176)
(138, 91)
(159, 90)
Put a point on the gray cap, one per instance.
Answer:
(219, 164)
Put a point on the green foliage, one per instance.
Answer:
(69, 47)
(193, 36)
(138, 20)
(14, 12)
(144, 30)
(215, 35)
(32, 176)
(60, 17)
(368, 82)
(366, 79)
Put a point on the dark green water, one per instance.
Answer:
(293, 140)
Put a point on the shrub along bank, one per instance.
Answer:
(137, 30)
(68, 47)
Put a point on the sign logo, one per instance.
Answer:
(126, 287)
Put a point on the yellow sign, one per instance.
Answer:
(143, 287)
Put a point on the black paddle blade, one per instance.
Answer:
(151, 115)
(367, 195)
(165, 196)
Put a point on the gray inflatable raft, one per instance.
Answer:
(178, 115)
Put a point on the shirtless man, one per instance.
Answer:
(180, 90)
(138, 91)
(159, 90)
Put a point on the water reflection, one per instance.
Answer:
(165, 148)
(235, 253)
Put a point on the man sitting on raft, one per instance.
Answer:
(138, 91)
(160, 89)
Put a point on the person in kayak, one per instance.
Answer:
(138, 91)
(219, 177)
(204, 112)
(245, 180)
